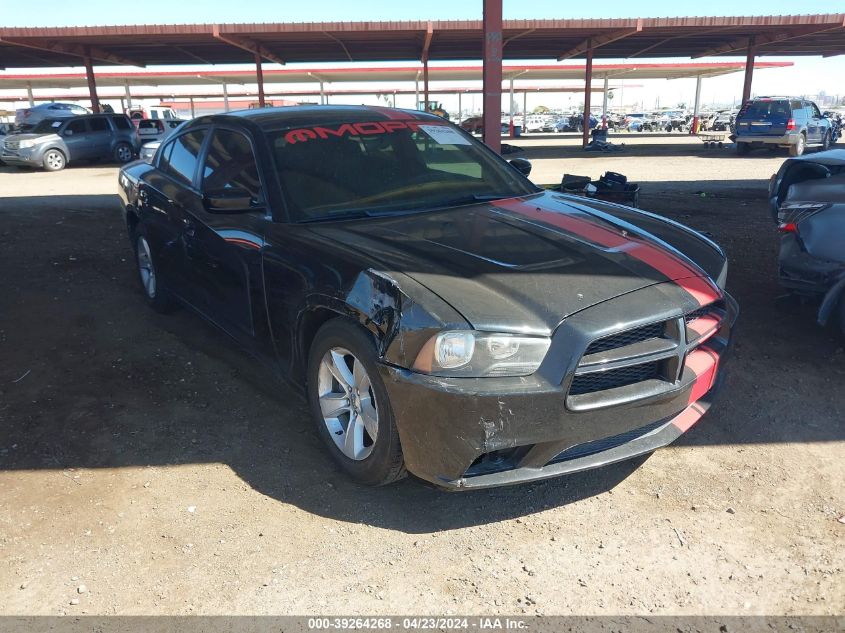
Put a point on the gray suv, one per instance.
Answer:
(54, 143)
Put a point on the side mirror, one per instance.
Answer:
(228, 201)
(522, 165)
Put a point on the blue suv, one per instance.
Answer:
(783, 122)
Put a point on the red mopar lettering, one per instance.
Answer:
(392, 126)
(302, 134)
(371, 127)
(324, 132)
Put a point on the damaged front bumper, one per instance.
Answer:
(485, 432)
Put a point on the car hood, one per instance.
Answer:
(26, 137)
(521, 264)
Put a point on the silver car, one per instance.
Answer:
(28, 117)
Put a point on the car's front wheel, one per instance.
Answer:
(351, 406)
(53, 160)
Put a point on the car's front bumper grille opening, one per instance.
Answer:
(605, 444)
(613, 378)
(623, 339)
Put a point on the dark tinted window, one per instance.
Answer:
(99, 124)
(77, 127)
(121, 123)
(230, 164)
(180, 159)
(386, 166)
(768, 110)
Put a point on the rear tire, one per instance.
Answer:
(152, 285)
(798, 148)
(123, 153)
(743, 148)
(343, 375)
(53, 160)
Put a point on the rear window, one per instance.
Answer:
(779, 109)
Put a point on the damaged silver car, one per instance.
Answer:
(807, 198)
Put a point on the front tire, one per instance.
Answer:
(351, 406)
(53, 160)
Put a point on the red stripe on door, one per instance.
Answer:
(664, 262)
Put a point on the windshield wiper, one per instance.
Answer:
(351, 214)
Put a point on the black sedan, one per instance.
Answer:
(443, 315)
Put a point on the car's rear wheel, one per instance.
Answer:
(743, 148)
(123, 153)
(351, 406)
(152, 284)
(798, 148)
(54, 160)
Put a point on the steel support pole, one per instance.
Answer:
(697, 107)
(510, 111)
(394, 98)
(29, 94)
(588, 84)
(193, 112)
(460, 109)
(92, 84)
(417, 92)
(225, 97)
(749, 71)
(492, 74)
(524, 108)
(425, 84)
(259, 76)
(128, 94)
(604, 105)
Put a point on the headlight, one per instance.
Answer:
(472, 354)
(30, 142)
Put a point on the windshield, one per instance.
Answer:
(388, 166)
(47, 126)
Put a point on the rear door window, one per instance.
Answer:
(99, 124)
(78, 126)
(179, 161)
(231, 164)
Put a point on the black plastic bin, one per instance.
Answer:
(629, 195)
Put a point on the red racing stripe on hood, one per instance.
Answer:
(661, 260)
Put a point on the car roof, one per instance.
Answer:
(271, 118)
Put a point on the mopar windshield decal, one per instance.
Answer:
(366, 128)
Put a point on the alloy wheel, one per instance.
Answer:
(55, 160)
(146, 268)
(348, 403)
(124, 153)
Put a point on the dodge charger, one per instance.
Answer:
(441, 314)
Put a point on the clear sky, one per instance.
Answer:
(809, 76)
(91, 12)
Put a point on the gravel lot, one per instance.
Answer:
(146, 462)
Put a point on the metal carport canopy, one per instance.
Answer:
(143, 45)
(383, 74)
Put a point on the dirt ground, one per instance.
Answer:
(147, 462)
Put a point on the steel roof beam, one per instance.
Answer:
(77, 50)
(246, 44)
(600, 40)
(741, 43)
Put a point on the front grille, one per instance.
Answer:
(606, 443)
(613, 378)
(695, 314)
(653, 330)
(11, 145)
